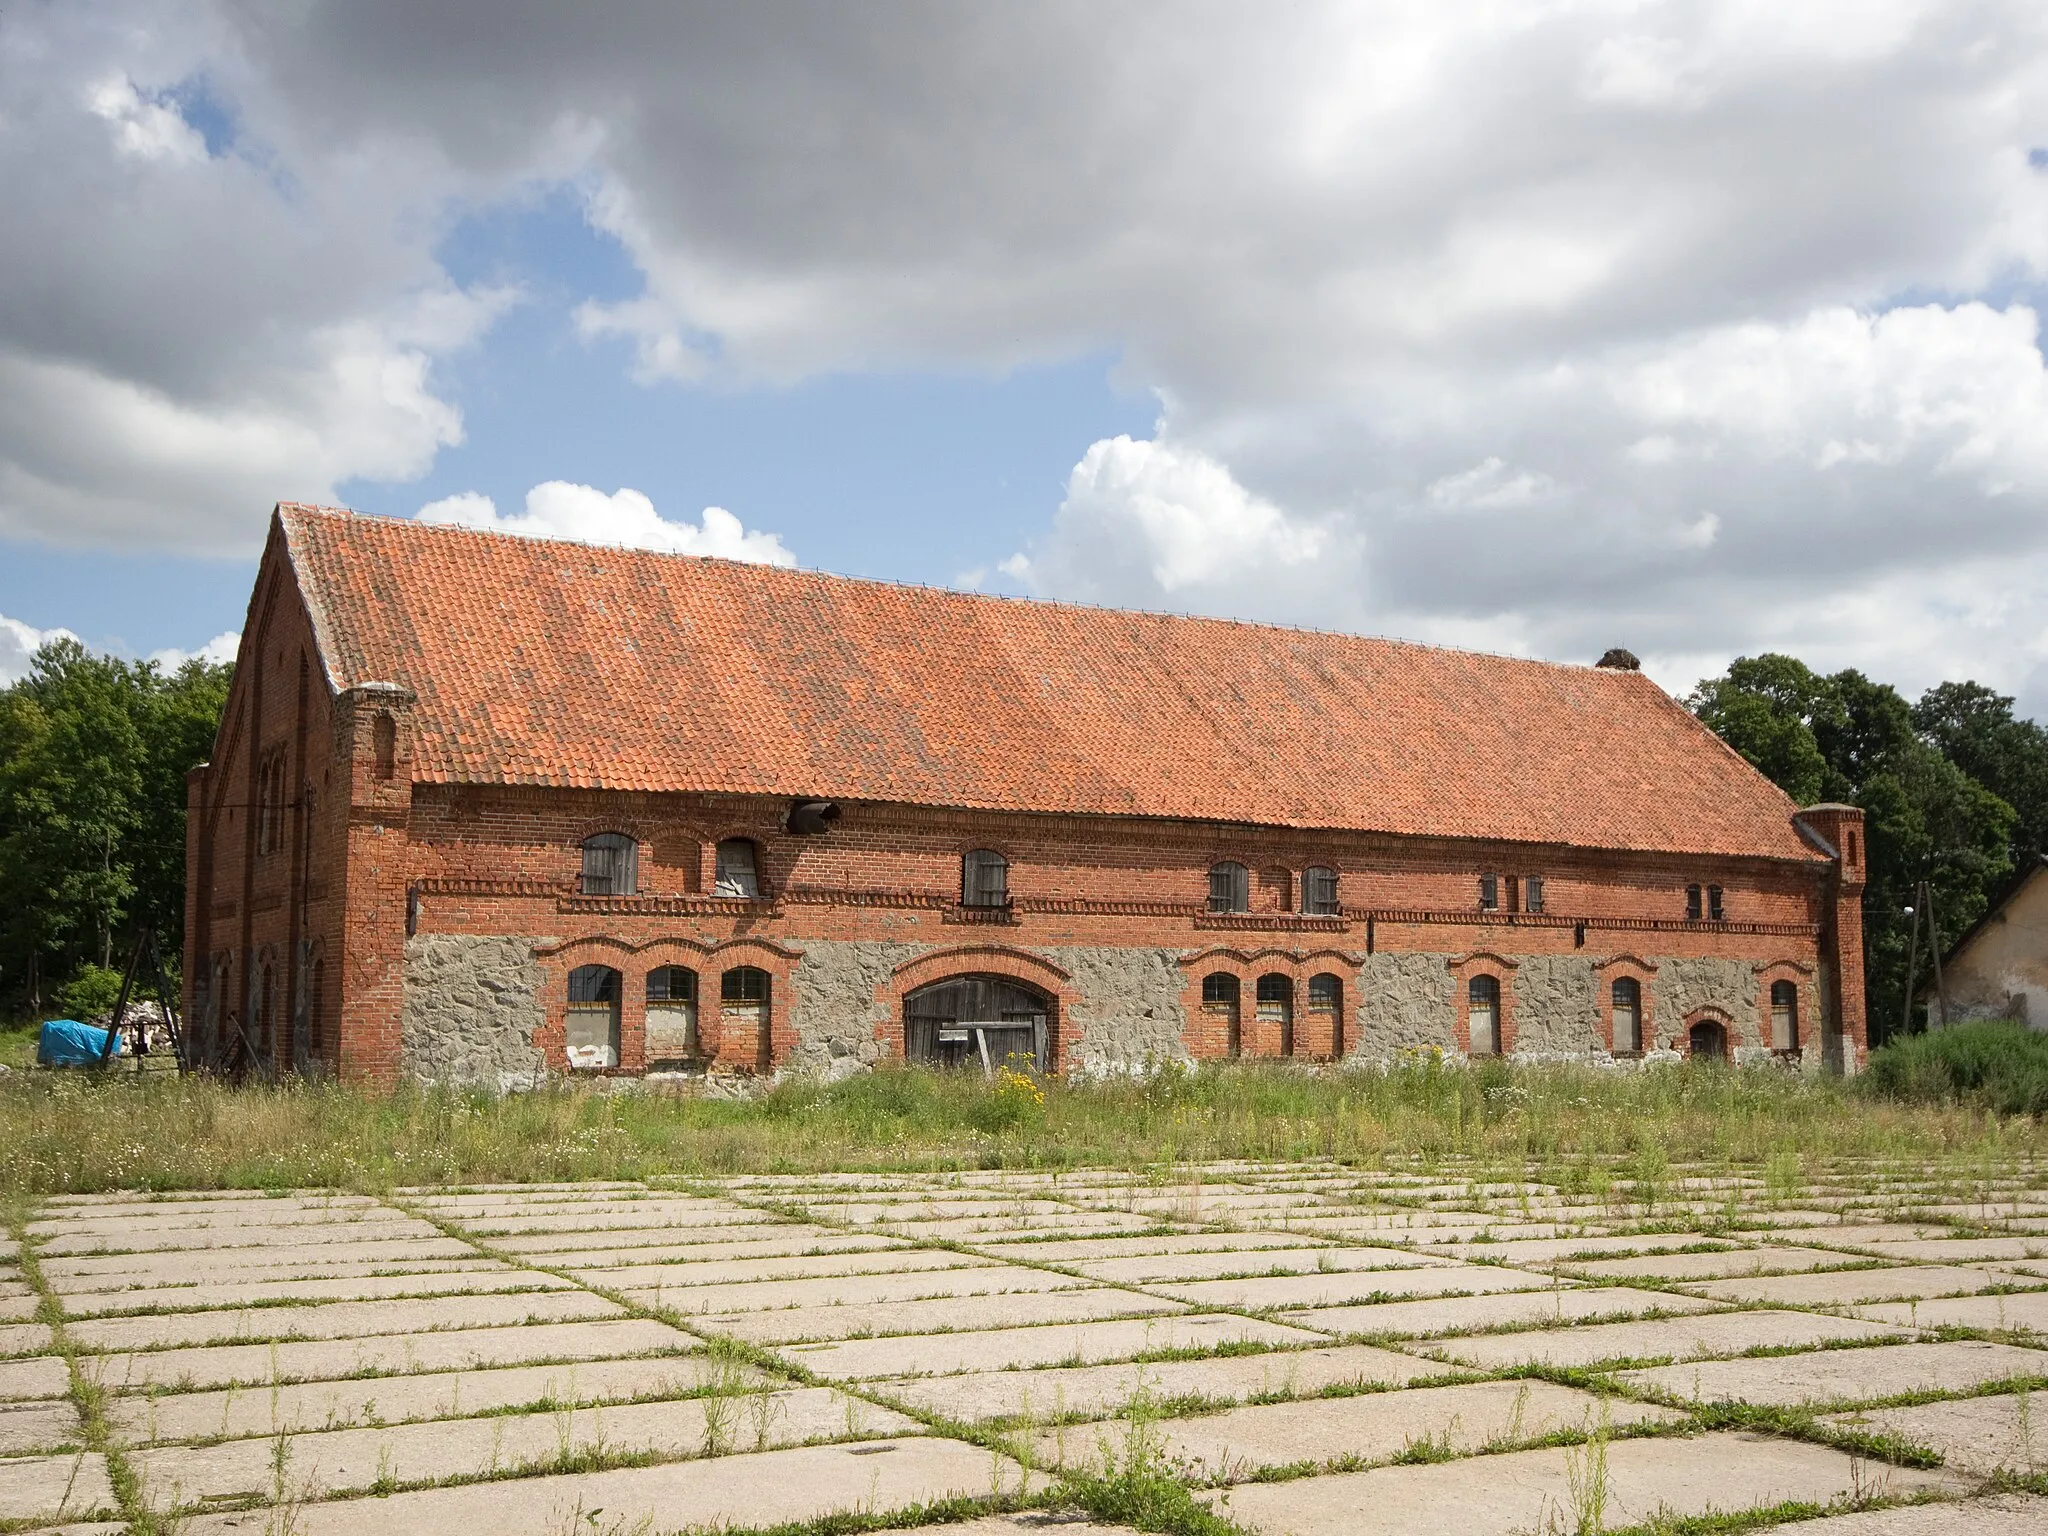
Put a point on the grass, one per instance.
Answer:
(1997, 1064)
(1584, 1127)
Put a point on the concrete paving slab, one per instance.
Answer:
(888, 1261)
(36, 1376)
(914, 1317)
(1147, 1269)
(184, 1278)
(725, 1243)
(1099, 1390)
(1858, 1234)
(1554, 1250)
(24, 1338)
(769, 1488)
(1052, 1344)
(1358, 1286)
(252, 1262)
(391, 1354)
(1727, 1263)
(1843, 1375)
(379, 1400)
(978, 1230)
(163, 1218)
(27, 1427)
(1964, 1250)
(340, 1319)
(1454, 1314)
(17, 1309)
(322, 1464)
(1688, 1338)
(1846, 1287)
(212, 1239)
(1531, 1490)
(1066, 1250)
(2006, 1312)
(43, 1489)
(1978, 1434)
(2016, 1514)
(678, 1292)
(1373, 1427)
(469, 1282)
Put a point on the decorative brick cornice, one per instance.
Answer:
(1271, 922)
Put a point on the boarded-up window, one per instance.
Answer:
(1532, 889)
(592, 1027)
(1715, 911)
(611, 865)
(978, 1021)
(1627, 993)
(672, 1015)
(1482, 1015)
(1692, 903)
(1230, 888)
(1319, 891)
(384, 746)
(1220, 1002)
(1276, 1011)
(739, 870)
(743, 1003)
(1784, 1016)
(984, 879)
(1489, 893)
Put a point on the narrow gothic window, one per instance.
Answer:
(1628, 1015)
(1482, 1015)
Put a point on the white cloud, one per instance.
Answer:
(218, 651)
(19, 643)
(149, 130)
(557, 509)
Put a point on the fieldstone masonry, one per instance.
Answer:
(472, 1006)
(835, 1010)
(1405, 1003)
(1557, 1008)
(1684, 987)
(1127, 1006)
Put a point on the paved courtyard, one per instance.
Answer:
(1308, 1348)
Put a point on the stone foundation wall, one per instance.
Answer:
(1405, 1003)
(833, 1011)
(1557, 1008)
(1684, 986)
(1127, 1009)
(472, 1005)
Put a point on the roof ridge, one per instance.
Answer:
(966, 594)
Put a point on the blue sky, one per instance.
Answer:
(1702, 329)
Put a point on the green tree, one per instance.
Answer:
(1975, 729)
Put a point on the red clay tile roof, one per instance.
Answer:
(569, 665)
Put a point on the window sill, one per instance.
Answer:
(1002, 916)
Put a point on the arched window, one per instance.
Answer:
(611, 865)
(1319, 891)
(1784, 1016)
(1230, 888)
(1220, 1002)
(743, 1002)
(739, 870)
(1326, 1010)
(591, 1031)
(978, 1020)
(984, 879)
(672, 1016)
(1482, 1015)
(1276, 1011)
(1627, 993)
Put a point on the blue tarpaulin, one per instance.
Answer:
(68, 1043)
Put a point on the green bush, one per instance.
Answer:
(91, 992)
(1999, 1064)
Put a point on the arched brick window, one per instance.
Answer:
(984, 879)
(1482, 1015)
(672, 1015)
(738, 874)
(1707, 1040)
(1784, 1016)
(611, 865)
(1276, 1011)
(1326, 1010)
(1627, 994)
(591, 1030)
(1230, 887)
(743, 1014)
(1220, 995)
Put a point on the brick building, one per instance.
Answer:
(484, 808)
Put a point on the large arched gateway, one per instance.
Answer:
(977, 1020)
